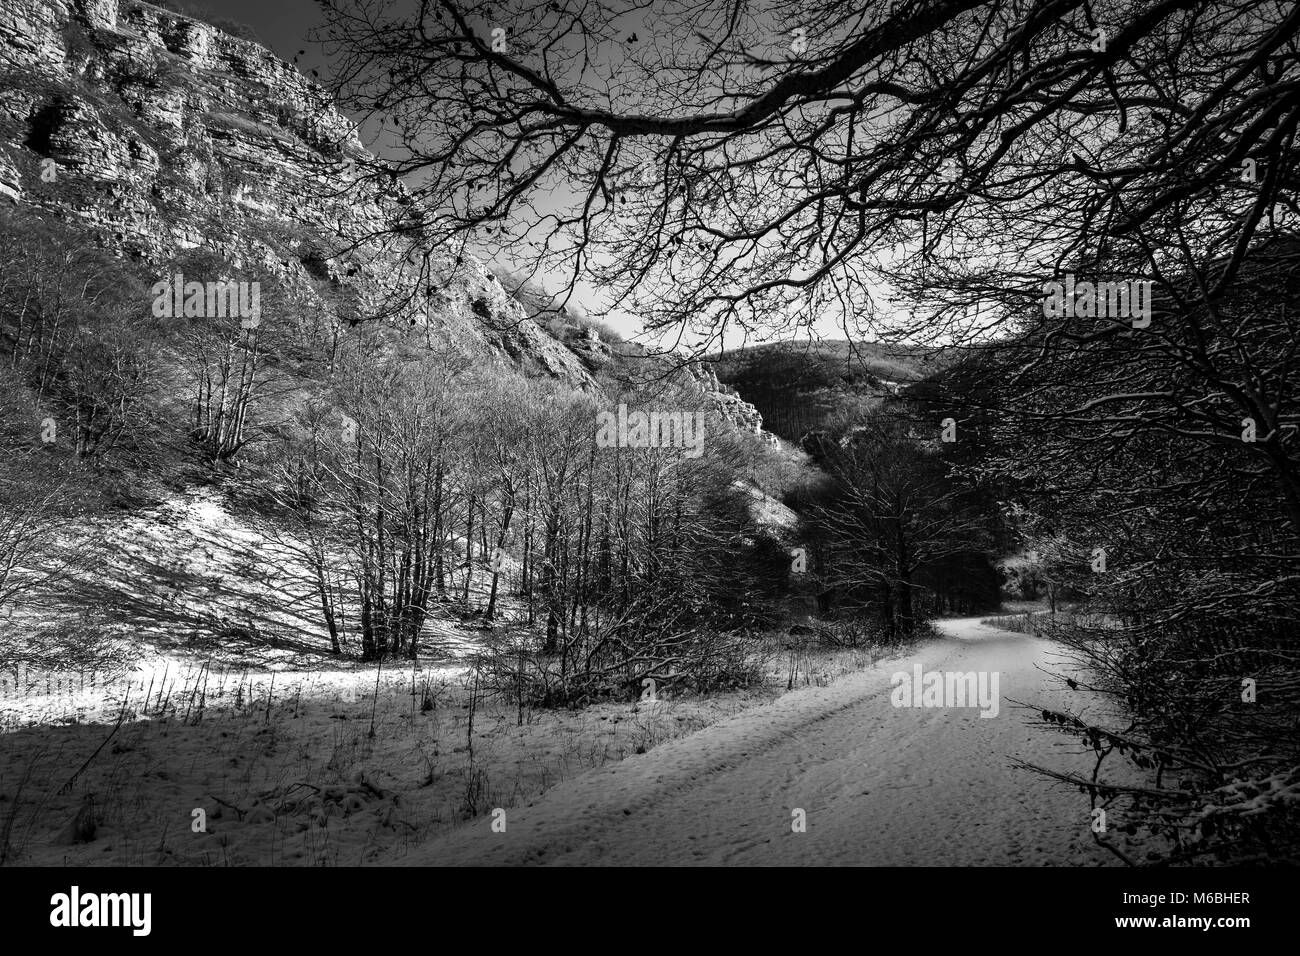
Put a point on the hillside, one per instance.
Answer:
(799, 385)
(610, 357)
(159, 135)
(137, 143)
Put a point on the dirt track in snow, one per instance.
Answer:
(880, 785)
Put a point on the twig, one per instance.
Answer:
(67, 787)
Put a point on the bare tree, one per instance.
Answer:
(729, 166)
(891, 515)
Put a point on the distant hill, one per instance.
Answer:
(800, 385)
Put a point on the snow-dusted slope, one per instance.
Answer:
(880, 785)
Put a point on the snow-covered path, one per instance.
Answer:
(880, 785)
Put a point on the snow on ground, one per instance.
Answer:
(880, 785)
(195, 575)
(189, 597)
(195, 634)
(766, 510)
(285, 768)
(271, 739)
(307, 784)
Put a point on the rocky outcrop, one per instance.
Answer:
(160, 134)
(582, 337)
(734, 408)
(11, 186)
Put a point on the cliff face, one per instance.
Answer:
(160, 134)
(735, 409)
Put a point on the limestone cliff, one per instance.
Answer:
(160, 134)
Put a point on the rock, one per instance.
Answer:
(11, 186)
(194, 139)
(198, 139)
(728, 401)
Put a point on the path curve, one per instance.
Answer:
(880, 785)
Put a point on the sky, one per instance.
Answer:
(281, 25)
